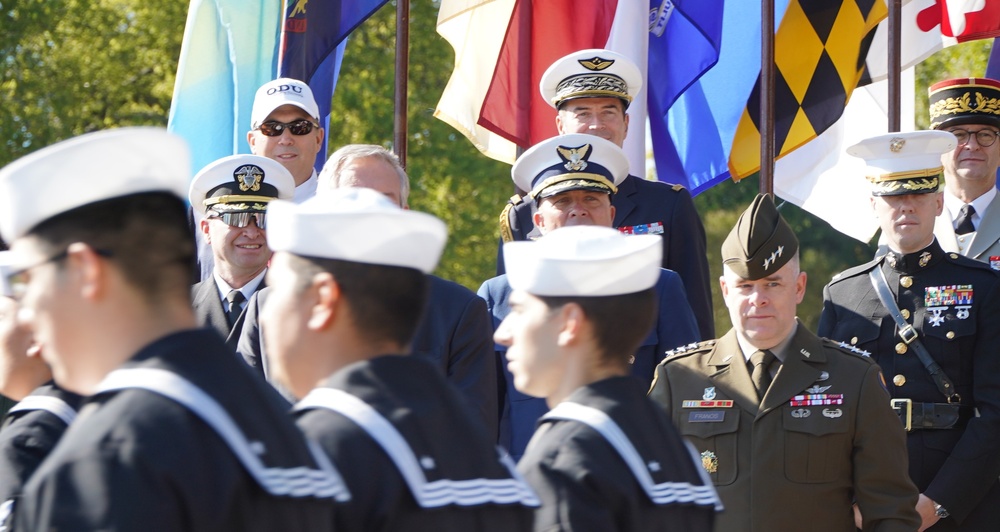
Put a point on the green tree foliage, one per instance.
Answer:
(959, 61)
(74, 66)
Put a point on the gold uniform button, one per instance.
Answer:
(950, 335)
(906, 314)
(854, 341)
(901, 348)
(906, 281)
(899, 380)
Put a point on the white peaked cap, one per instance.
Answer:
(357, 225)
(87, 169)
(584, 261)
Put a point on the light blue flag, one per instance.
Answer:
(695, 105)
(229, 50)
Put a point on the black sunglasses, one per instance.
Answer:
(273, 128)
(240, 219)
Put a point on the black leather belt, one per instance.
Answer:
(923, 416)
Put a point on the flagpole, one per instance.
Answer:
(402, 73)
(895, 53)
(767, 97)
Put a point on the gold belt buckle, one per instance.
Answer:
(905, 405)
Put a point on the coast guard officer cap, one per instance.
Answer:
(87, 169)
(904, 163)
(760, 243)
(570, 162)
(954, 102)
(282, 91)
(586, 261)
(357, 225)
(593, 73)
(6, 267)
(240, 183)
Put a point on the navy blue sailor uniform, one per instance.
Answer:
(171, 442)
(30, 431)
(952, 302)
(607, 459)
(411, 452)
(454, 334)
(645, 207)
(675, 326)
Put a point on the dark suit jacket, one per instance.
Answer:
(454, 334)
(209, 312)
(640, 202)
(780, 466)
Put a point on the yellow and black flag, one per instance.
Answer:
(819, 54)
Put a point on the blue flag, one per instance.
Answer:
(704, 58)
(313, 38)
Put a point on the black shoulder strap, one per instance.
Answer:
(911, 337)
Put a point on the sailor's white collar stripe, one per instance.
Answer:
(322, 483)
(434, 494)
(663, 493)
(53, 405)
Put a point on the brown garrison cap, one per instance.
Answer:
(761, 243)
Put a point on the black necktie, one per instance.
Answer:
(965, 226)
(235, 299)
(760, 372)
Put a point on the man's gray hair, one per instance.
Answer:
(329, 177)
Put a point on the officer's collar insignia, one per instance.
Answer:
(596, 63)
(891, 259)
(805, 353)
(709, 461)
(575, 158)
(925, 257)
(823, 375)
(818, 389)
(709, 393)
(896, 144)
(832, 413)
(249, 177)
(768, 261)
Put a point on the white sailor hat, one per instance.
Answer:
(357, 225)
(904, 163)
(282, 91)
(593, 73)
(87, 169)
(6, 267)
(570, 162)
(584, 260)
(240, 183)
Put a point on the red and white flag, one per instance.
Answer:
(502, 47)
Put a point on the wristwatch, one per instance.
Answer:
(940, 511)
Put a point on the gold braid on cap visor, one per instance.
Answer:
(592, 86)
(552, 180)
(239, 202)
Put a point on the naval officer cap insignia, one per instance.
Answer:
(240, 183)
(593, 73)
(955, 102)
(904, 163)
(585, 261)
(760, 243)
(87, 169)
(370, 229)
(570, 162)
(282, 91)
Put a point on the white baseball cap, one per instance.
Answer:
(282, 91)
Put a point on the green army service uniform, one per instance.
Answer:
(823, 436)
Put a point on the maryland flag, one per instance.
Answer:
(820, 50)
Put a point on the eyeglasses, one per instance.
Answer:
(17, 281)
(273, 128)
(240, 219)
(984, 137)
